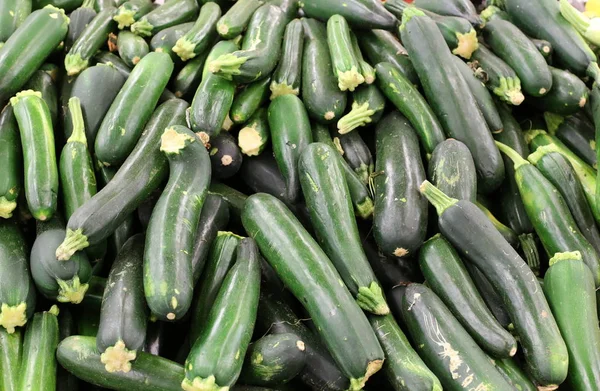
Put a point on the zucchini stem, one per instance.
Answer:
(74, 241)
(13, 316)
(227, 65)
(371, 299)
(372, 368)
(553, 121)
(349, 80)
(408, 14)
(512, 155)
(467, 44)
(72, 291)
(184, 49)
(360, 115)
(541, 152)
(142, 27)
(436, 197)
(6, 207)
(566, 256)
(510, 90)
(489, 12)
(278, 89)
(200, 384)
(365, 208)
(75, 64)
(530, 252)
(124, 17)
(532, 133)
(88, 4)
(78, 135)
(118, 358)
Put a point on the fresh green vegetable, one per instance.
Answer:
(567, 96)
(254, 136)
(203, 34)
(132, 48)
(497, 75)
(11, 158)
(356, 152)
(165, 40)
(365, 14)
(343, 58)
(576, 132)
(368, 104)
(366, 70)
(463, 8)
(249, 100)
(236, 19)
(288, 74)
(42, 82)
(168, 14)
(12, 14)
(225, 156)
(451, 169)
(513, 373)
(11, 351)
(131, 11)
(509, 235)
(188, 79)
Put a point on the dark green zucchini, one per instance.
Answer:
(595, 105)
(248, 100)
(577, 133)
(451, 169)
(567, 96)
(364, 14)
(356, 152)
(169, 247)
(463, 8)
(368, 104)
(262, 175)
(234, 198)
(201, 35)
(400, 216)
(168, 14)
(42, 82)
(507, 233)
(123, 316)
(273, 359)
(225, 156)
(235, 21)
(108, 58)
(131, 11)
(11, 351)
(189, 77)
(217, 355)
(288, 74)
(327, 103)
(346, 67)
(290, 8)
(66, 381)
(382, 46)
(11, 159)
(67, 5)
(489, 295)
(497, 75)
(337, 317)
(165, 40)
(366, 69)
(132, 48)
(255, 135)
(544, 47)
(13, 14)
(514, 374)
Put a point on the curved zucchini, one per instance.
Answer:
(567, 96)
(121, 129)
(497, 75)
(461, 221)
(451, 169)
(343, 58)
(327, 103)
(168, 271)
(448, 278)
(132, 48)
(273, 360)
(39, 156)
(400, 215)
(11, 351)
(11, 158)
(288, 74)
(235, 21)
(577, 133)
(569, 287)
(248, 100)
(368, 104)
(365, 14)
(332, 217)
(356, 152)
(338, 319)
(217, 355)
(202, 34)
(255, 135)
(168, 14)
(131, 11)
(463, 8)
(13, 13)
(225, 156)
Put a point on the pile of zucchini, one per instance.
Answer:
(299, 195)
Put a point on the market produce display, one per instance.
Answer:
(315, 195)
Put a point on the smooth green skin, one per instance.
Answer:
(514, 374)
(509, 235)
(92, 38)
(577, 132)
(325, 103)
(595, 105)
(542, 19)
(79, 355)
(142, 172)
(165, 40)
(518, 288)
(445, 346)
(41, 81)
(105, 57)
(451, 99)
(236, 19)
(11, 351)
(516, 49)
(273, 360)
(202, 35)
(311, 277)
(288, 74)
(221, 346)
(557, 169)
(332, 216)
(489, 295)
(47, 28)
(495, 72)
(67, 5)
(482, 95)
(79, 19)
(356, 152)
(221, 257)
(400, 217)
(12, 15)
(170, 235)
(569, 288)
(132, 48)
(262, 175)
(511, 133)
(364, 14)
(170, 13)
(39, 156)
(383, 46)
(11, 159)
(359, 194)
(403, 367)
(567, 96)
(47, 271)
(455, 30)
(135, 8)
(463, 8)
(124, 315)
(247, 101)
(38, 371)
(290, 134)
(451, 169)
(343, 57)
(409, 101)
(188, 78)
(447, 276)
(66, 327)
(234, 198)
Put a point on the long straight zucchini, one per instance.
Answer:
(249, 100)
(132, 48)
(343, 58)
(235, 21)
(365, 14)
(567, 96)
(42, 82)
(11, 351)
(11, 158)
(168, 14)
(288, 74)
(577, 132)
(202, 34)
(311, 277)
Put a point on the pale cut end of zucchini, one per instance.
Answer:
(227, 65)
(200, 384)
(24, 94)
(6, 207)
(532, 133)
(222, 29)
(509, 91)
(54, 310)
(72, 291)
(467, 44)
(250, 141)
(172, 142)
(582, 101)
(74, 241)
(13, 316)
(575, 17)
(349, 80)
(329, 115)
(118, 358)
(74, 64)
(360, 115)
(124, 17)
(227, 123)
(184, 49)
(371, 299)
(278, 89)
(517, 160)
(547, 388)
(487, 13)
(142, 27)
(205, 138)
(58, 12)
(436, 197)
(372, 368)
(300, 345)
(408, 14)
(566, 256)
(364, 210)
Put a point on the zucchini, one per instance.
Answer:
(42, 82)
(332, 217)
(235, 21)
(168, 253)
(462, 8)
(216, 357)
(569, 287)
(46, 27)
(451, 169)
(92, 38)
(142, 172)
(131, 11)
(225, 156)
(368, 103)
(38, 365)
(366, 70)
(234, 198)
(444, 344)
(288, 74)
(11, 351)
(338, 319)
(261, 175)
(66, 327)
(37, 139)
(79, 355)
(327, 103)
(13, 14)
(260, 49)
(132, 48)
(273, 359)
(165, 40)
(490, 296)
(290, 133)
(188, 79)
(248, 100)
(11, 158)
(202, 34)
(67, 5)
(497, 75)
(544, 47)
(343, 57)
(517, 50)
(166, 15)
(409, 101)
(568, 95)
(449, 279)
(108, 58)
(365, 14)
(400, 215)
(123, 315)
(509, 235)
(121, 129)
(577, 133)
(461, 221)
(356, 152)
(514, 374)
(450, 97)
(254, 136)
